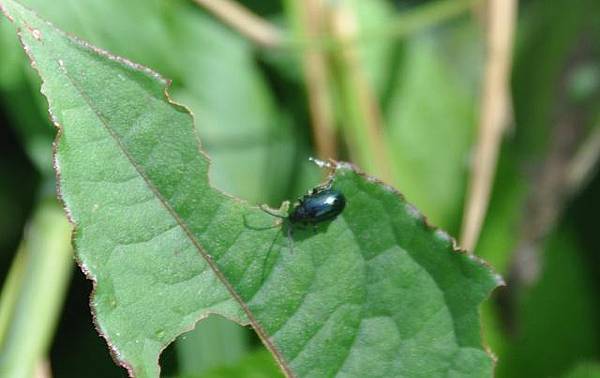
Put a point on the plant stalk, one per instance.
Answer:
(494, 117)
(34, 293)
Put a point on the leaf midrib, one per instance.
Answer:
(104, 123)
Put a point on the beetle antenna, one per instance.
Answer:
(270, 212)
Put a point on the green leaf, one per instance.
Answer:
(375, 292)
(430, 119)
(10, 62)
(201, 54)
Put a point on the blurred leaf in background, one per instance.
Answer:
(431, 116)
(562, 306)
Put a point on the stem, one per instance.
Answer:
(35, 292)
(10, 292)
(267, 35)
(361, 114)
(308, 19)
(406, 23)
(244, 21)
(494, 117)
(584, 164)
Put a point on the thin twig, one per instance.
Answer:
(547, 199)
(265, 34)
(495, 116)
(584, 163)
(569, 165)
(403, 25)
(244, 21)
(317, 81)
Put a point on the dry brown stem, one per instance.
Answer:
(244, 21)
(368, 120)
(317, 82)
(494, 116)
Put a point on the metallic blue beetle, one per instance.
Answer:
(317, 207)
(320, 205)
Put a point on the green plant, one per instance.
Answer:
(375, 292)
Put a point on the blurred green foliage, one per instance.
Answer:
(252, 117)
